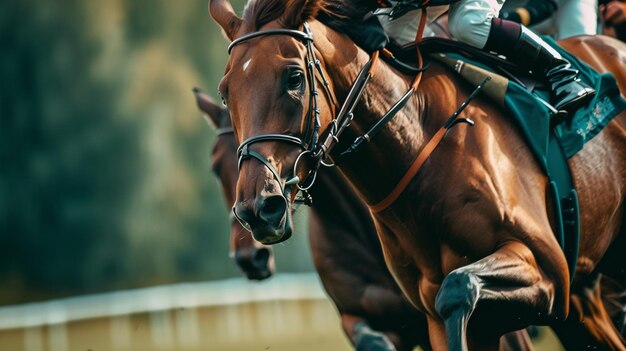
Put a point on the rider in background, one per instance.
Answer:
(576, 17)
(614, 15)
(532, 12)
(476, 22)
(568, 17)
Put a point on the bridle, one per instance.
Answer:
(309, 142)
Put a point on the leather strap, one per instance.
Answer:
(423, 155)
(411, 172)
(290, 32)
(422, 24)
(426, 151)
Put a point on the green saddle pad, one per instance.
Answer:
(534, 117)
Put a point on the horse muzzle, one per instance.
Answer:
(256, 262)
(267, 219)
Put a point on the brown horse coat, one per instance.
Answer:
(471, 236)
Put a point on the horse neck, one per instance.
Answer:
(224, 164)
(374, 169)
(332, 195)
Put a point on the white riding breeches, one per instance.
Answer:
(470, 20)
(403, 30)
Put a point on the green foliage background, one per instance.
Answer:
(105, 180)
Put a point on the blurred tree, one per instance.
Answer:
(69, 161)
(104, 175)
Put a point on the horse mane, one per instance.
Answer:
(346, 10)
(292, 13)
(257, 13)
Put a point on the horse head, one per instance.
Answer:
(253, 258)
(276, 97)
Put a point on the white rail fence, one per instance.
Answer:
(288, 312)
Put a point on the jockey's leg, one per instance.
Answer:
(475, 22)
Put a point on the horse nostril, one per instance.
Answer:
(272, 209)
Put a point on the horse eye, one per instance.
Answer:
(295, 81)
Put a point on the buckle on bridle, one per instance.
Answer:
(309, 180)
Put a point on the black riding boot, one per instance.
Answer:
(567, 91)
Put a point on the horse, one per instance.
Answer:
(470, 239)
(352, 270)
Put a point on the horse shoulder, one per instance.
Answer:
(484, 182)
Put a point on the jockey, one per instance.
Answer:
(569, 17)
(476, 23)
(614, 15)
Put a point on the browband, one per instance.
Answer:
(291, 32)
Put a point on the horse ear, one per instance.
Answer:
(299, 11)
(223, 13)
(214, 114)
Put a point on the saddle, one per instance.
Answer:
(404, 57)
